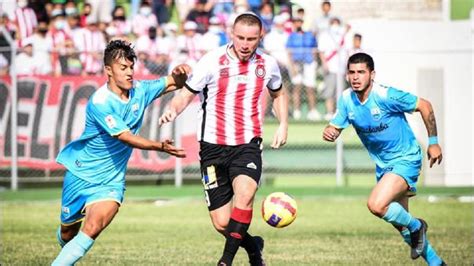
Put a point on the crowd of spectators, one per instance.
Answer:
(67, 37)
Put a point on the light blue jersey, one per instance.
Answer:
(382, 127)
(98, 156)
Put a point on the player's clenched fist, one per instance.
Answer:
(167, 116)
(331, 133)
(180, 74)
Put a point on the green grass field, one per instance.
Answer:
(163, 225)
(307, 133)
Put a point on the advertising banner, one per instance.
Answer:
(51, 113)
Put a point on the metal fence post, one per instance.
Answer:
(14, 110)
(178, 169)
(339, 142)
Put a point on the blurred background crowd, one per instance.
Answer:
(67, 37)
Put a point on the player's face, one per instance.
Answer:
(120, 73)
(245, 39)
(360, 77)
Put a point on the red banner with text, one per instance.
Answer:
(51, 113)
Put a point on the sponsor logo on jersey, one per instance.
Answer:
(224, 72)
(351, 116)
(242, 79)
(110, 121)
(373, 129)
(260, 71)
(252, 166)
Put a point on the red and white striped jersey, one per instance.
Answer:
(231, 94)
(26, 21)
(91, 45)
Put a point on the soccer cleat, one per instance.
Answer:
(418, 240)
(257, 259)
(443, 263)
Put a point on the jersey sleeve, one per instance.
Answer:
(152, 88)
(199, 77)
(106, 118)
(340, 118)
(400, 101)
(275, 82)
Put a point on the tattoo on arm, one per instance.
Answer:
(431, 126)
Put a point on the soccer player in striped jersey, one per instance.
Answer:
(230, 82)
(378, 115)
(96, 163)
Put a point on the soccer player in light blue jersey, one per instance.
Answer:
(378, 115)
(96, 163)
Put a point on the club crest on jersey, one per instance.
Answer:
(260, 71)
(376, 114)
(135, 108)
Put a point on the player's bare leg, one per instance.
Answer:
(384, 203)
(389, 189)
(220, 217)
(98, 217)
(239, 219)
(68, 232)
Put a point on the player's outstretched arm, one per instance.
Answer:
(146, 144)
(331, 133)
(177, 105)
(177, 78)
(434, 149)
(280, 106)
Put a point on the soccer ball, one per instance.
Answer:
(279, 209)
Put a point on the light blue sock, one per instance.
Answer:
(74, 250)
(406, 236)
(429, 254)
(60, 239)
(397, 215)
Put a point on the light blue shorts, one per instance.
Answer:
(78, 193)
(409, 170)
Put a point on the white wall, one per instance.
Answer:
(400, 50)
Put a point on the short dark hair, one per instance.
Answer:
(361, 58)
(358, 35)
(248, 18)
(118, 49)
(327, 2)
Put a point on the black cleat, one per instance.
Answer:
(257, 259)
(418, 240)
(443, 263)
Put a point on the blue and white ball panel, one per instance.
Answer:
(78, 193)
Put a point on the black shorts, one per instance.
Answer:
(220, 164)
